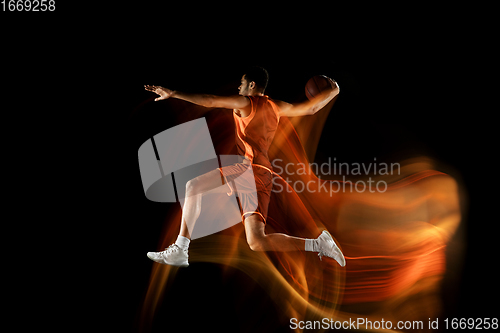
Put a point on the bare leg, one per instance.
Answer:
(195, 188)
(190, 212)
(259, 241)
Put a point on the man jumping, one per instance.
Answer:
(256, 117)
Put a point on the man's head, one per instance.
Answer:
(254, 82)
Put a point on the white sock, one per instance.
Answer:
(182, 242)
(312, 245)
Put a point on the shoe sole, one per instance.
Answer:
(177, 265)
(163, 262)
(338, 247)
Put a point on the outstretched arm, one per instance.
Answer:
(211, 101)
(309, 107)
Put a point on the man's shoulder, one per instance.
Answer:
(276, 105)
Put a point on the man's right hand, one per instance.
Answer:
(164, 93)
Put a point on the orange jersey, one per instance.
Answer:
(255, 132)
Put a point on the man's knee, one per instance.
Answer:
(203, 183)
(256, 243)
(192, 186)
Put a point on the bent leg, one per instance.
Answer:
(259, 241)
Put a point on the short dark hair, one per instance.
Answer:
(258, 75)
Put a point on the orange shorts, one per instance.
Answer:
(252, 184)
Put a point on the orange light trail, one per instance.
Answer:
(396, 257)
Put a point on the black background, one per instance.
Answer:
(407, 75)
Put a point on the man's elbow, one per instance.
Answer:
(336, 90)
(312, 110)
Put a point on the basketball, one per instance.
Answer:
(316, 85)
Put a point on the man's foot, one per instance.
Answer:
(328, 248)
(172, 255)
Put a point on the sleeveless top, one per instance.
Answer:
(255, 132)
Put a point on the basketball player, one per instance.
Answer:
(256, 117)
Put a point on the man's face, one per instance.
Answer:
(243, 88)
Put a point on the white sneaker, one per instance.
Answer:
(328, 248)
(172, 255)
